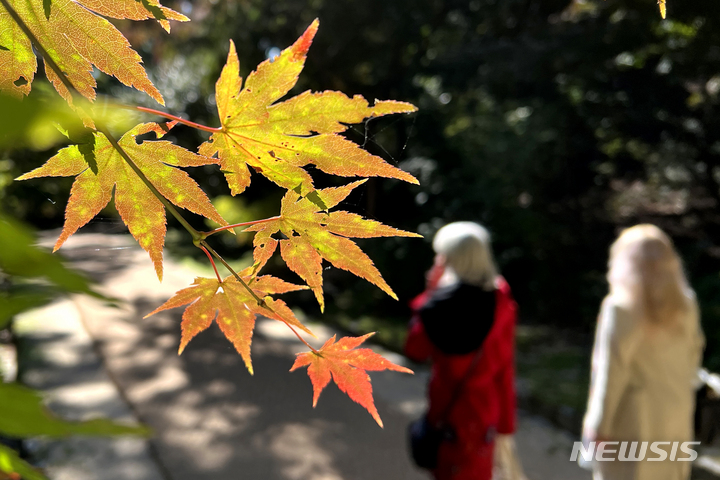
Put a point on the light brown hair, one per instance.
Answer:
(646, 272)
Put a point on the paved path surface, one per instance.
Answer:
(211, 419)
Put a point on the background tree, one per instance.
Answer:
(554, 123)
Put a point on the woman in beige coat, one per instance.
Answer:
(648, 348)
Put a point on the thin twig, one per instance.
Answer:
(302, 339)
(168, 206)
(212, 262)
(259, 300)
(189, 123)
(244, 224)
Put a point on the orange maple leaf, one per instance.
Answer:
(313, 234)
(100, 168)
(76, 39)
(346, 365)
(234, 307)
(277, 139)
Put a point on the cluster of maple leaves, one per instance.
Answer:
(257, 133)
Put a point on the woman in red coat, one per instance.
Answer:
(466, 307)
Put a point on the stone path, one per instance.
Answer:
(211, 419)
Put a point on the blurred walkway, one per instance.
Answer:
(212, 420)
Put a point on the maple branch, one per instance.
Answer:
(176, 118)
(212, 262)
(244, 224)
(168, 206)
(203, 244)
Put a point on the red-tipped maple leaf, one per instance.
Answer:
(346, 365)
(76, 39)
(100, 168)
(313, 234)
(234, 307)
(277, 139)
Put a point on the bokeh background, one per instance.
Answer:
(553, 123)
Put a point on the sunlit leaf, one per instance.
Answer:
(15, 467)
(313, 235)
(234, 307)
(141, 211)
(346, 365)
(135, 10)
(77, 39)
(278, 139)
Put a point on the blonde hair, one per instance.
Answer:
(645, 271)
(467, 252)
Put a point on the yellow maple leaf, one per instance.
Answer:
(313, 234)
(76, 39)
(135, 10)
(234, 307)
(99, 169)
(278, 139)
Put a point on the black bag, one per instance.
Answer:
(425, 440)
(707, 415)
(707, 408)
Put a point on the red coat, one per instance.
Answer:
(487, 402)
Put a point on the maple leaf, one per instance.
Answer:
(346, 365)
(134, 10)
(234, 307)
(278, 139)
(76, 39)
(313, 234)
(100, 168)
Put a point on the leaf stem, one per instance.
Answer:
(302, 339)
(244, 224)
(189, 123)
(260, 301)
(212, 262)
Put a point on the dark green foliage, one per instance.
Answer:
(31, 276)
(553, 123)
(25, 416)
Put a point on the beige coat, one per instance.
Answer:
(642, 388)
